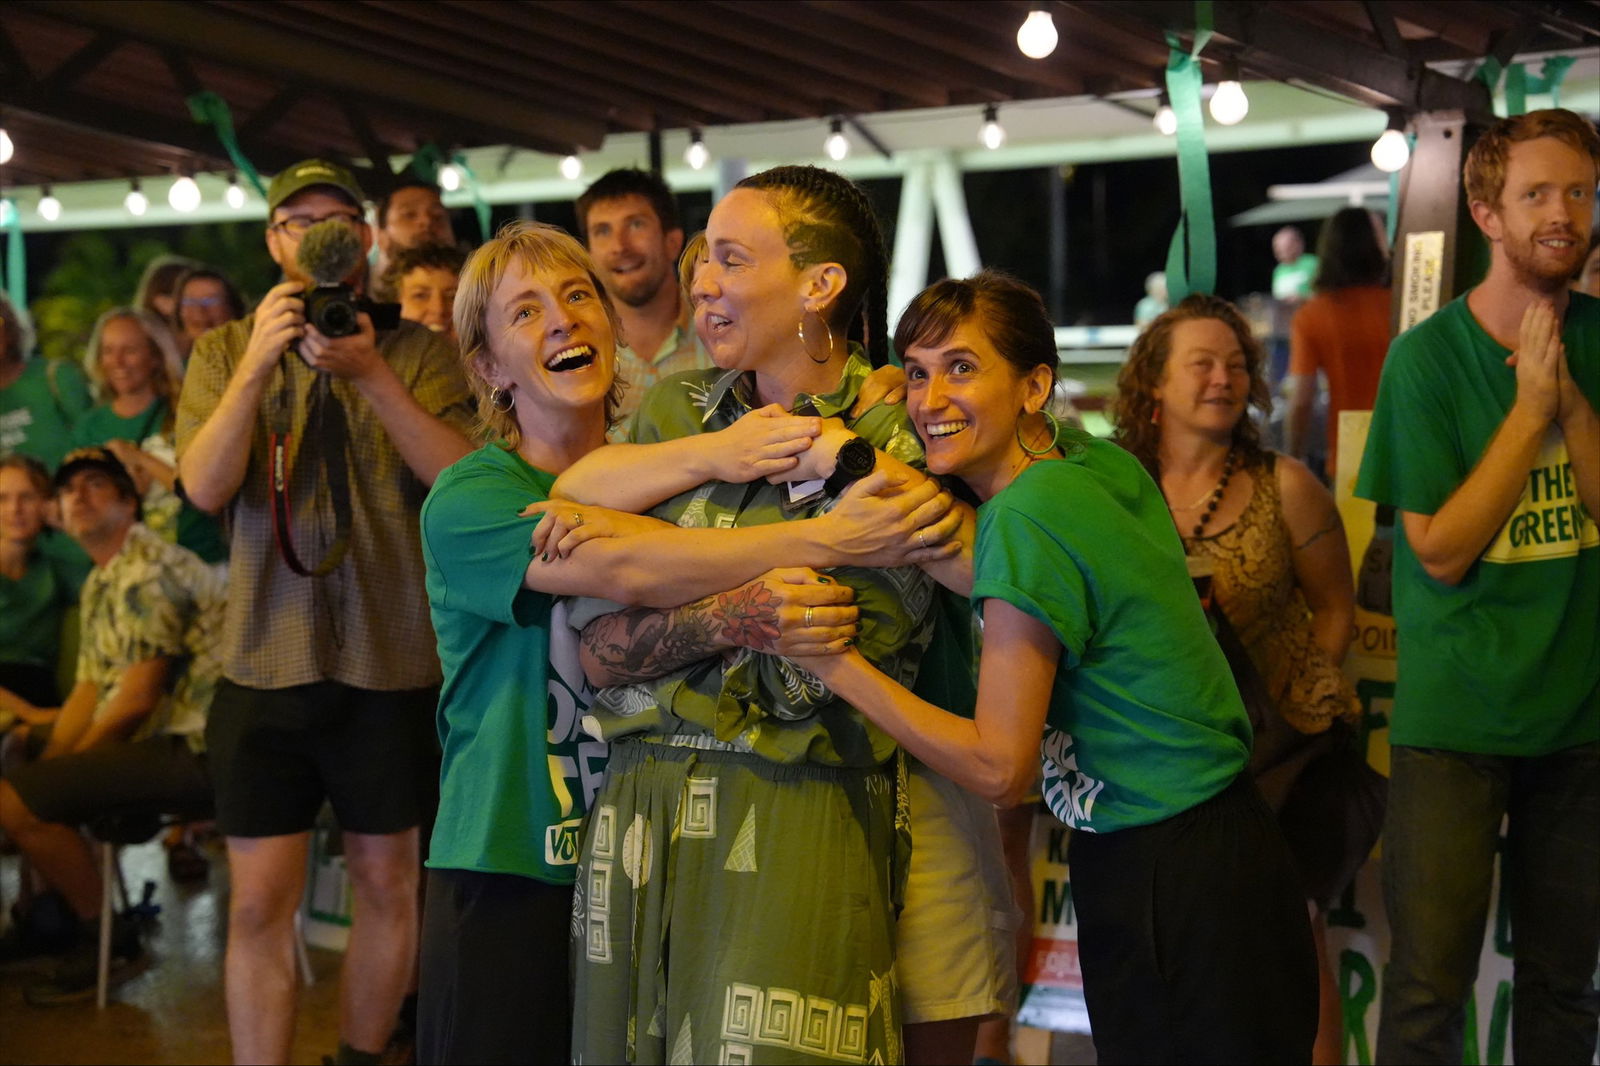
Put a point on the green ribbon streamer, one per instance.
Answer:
(1516, 89)
(16, 256)
(426, 161)
(1192, 255)
(1519, 85)
(209, 109)
(480, 206)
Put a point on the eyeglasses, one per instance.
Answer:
(201, 301)
(296, 225)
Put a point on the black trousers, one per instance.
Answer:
(495, 985)
(1194, 938)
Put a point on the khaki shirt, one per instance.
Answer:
(366, 623)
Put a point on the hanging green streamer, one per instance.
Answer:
(1192, 256)
(426, 161)
(209, 109)
(480, 206)
(1489, 73)
(1516, 89)
(16, 255)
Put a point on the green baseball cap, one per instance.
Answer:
(309, 173)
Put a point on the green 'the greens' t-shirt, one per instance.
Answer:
(39, 409)
(518, 773)
(1507, 662)
(1145, 720)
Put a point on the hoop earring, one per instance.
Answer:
(800, 330)
(501, 399)
(1055, 435)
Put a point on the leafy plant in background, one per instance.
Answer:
(97, 271)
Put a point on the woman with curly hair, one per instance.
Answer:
(1275, 544)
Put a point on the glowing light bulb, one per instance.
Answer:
(837, 145)
(49, 206)
(235, 195)
(184, 194)
(136, 202)
(993, 135)
(449, 178)
(571, 167)
(1037, 37)
(696, 155)
(6, 147)
(1229, 104)
(1166, 120)
(1390, 151)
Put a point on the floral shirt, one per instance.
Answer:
(153, 600)
(747, 700)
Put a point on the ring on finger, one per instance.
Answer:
(922, 537)
(808, 617)
(577, 518)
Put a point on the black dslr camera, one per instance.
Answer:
(333, 310)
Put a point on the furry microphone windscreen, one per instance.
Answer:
(329, 251)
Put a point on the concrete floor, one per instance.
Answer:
(173, 1012)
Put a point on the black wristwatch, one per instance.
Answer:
(856, 460)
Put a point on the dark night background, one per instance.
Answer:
(1120, 218)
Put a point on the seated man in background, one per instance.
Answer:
(128, 738)
(423, 280)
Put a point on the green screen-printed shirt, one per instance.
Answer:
(1507, 661)
(32, 606)
(518, 773)
(1145, 720)
(39, 409)
(764, 703)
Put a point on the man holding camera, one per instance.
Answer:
(322, 448)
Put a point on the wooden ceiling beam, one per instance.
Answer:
(487, 62)
(81, 62)
(343, 72)
(755, 43)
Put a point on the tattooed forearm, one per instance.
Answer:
(1333, 524)
(645, 643)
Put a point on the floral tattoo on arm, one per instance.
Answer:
(644, 643)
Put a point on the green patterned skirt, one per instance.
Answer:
(733, 909)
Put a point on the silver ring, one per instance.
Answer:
(922, 537)
(577, 518)
(808, 617)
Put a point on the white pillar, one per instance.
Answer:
(955, 226)
(913, 240)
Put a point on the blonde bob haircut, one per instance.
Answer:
(542, 248)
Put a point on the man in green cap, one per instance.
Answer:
(321, 449)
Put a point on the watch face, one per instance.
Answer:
(856, 457)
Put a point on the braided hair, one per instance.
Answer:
(827, 218)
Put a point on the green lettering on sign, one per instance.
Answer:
(1355, 1001)
(1055, 903)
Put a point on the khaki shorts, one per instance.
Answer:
(955, 943)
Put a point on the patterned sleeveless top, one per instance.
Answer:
(1254, 583)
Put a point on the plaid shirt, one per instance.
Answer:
(679, 352)
(366, 623)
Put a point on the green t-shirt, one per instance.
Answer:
(39, 409)
(31, 607)
(164, 512)
(518, 772)
(1145, 720)
(1507, 662)
(753, 702)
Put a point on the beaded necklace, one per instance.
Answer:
(1213, 498)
